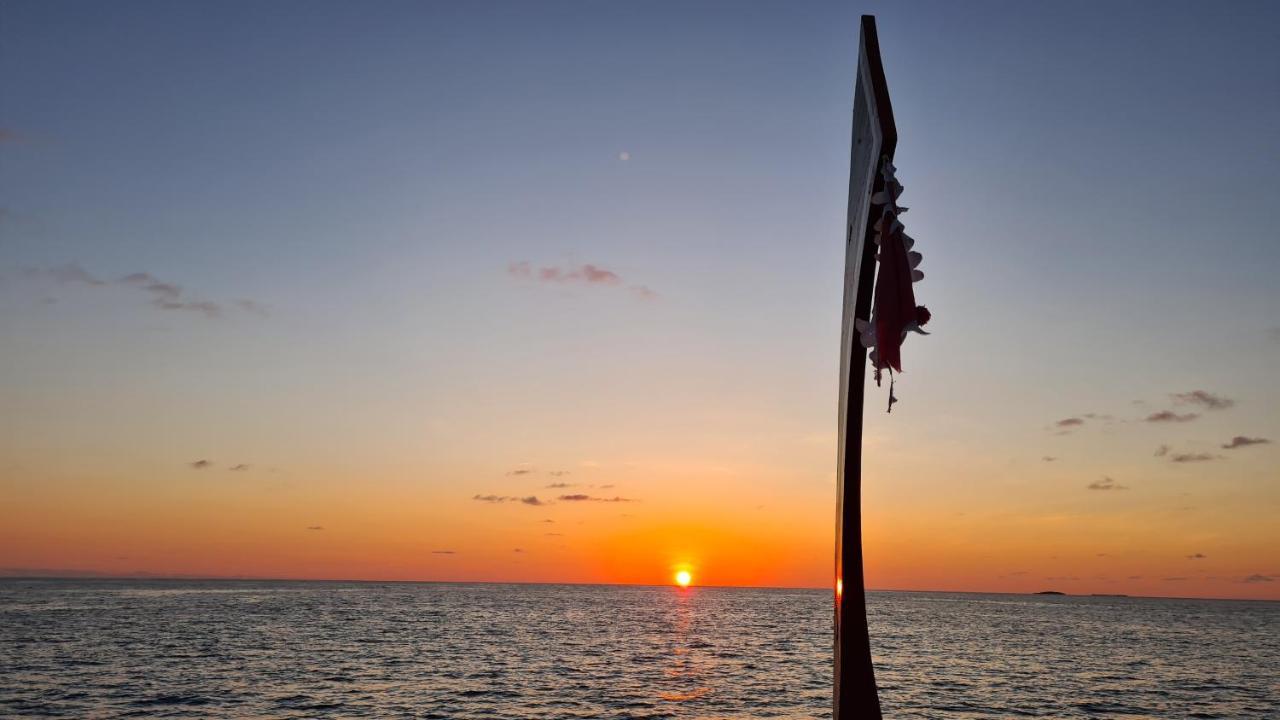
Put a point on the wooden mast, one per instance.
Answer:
(874, 137)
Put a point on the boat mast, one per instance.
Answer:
(874, 140)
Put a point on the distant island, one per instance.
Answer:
(1049, 592)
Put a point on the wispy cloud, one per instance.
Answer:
(560, 485)
(69, 273)
(1070, 422)
(315, 527)
(161, 294)
(588, 498)
(168, 296)
(1048, 458)
(1166, 416)
(1197, 556)
(558, 473)
(200, 464)
(520, 471)
(1204, 399)
(498, 499)
(242, 467)
(1162, 451)
(1192, 457)
(1240, 441)
(1256, 578)
(1106, 483)
(585, 274)
(443, 552)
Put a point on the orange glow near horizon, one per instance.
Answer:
(683, 578)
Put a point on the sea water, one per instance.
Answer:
(232, 649)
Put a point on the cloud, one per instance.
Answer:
(585, 274)
(1106, 483)
(168, 296)
(519, 471)
(161, 293)
(1197, 556)
(443, 552)
(1162, 451)
(548, 520)
(1240, 441)
(519, 550)
(9, 135)
(587, 498)
(70, 273)
(554, 534)
(1173, 579)
(1192, 457)
(1170, 416)
(1070, 422)
(200, 464)
(315, 527)
(1256, 578)
(498, 499)
(242, 467)
(559, 485)
(558, 473)
(1203, 399)
(1048, 458)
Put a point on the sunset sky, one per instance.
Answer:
(551, 292)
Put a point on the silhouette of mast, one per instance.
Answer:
(874, 140)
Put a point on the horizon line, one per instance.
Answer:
(244, 578)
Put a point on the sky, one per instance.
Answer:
(550, 292)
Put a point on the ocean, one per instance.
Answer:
(247, 649)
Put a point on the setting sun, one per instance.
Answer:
(683, 578)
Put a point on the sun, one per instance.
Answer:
(683, 578)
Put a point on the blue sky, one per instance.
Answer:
(1092, 187)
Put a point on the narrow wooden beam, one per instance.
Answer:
(874, 138)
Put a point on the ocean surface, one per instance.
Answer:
(219, 649)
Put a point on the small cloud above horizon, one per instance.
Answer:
(499, 499)
(1240, 441)
(1204, 399)
(443, 552)
(579, 497)
(1165, 416)
(1193, 457)
(1106, 483)
(315, 527)
(1197, 556)
(200, 464)
(242, 467)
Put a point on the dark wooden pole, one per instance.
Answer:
(874, 138)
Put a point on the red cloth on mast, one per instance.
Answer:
(895, 300)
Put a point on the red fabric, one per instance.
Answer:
(895, 299)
